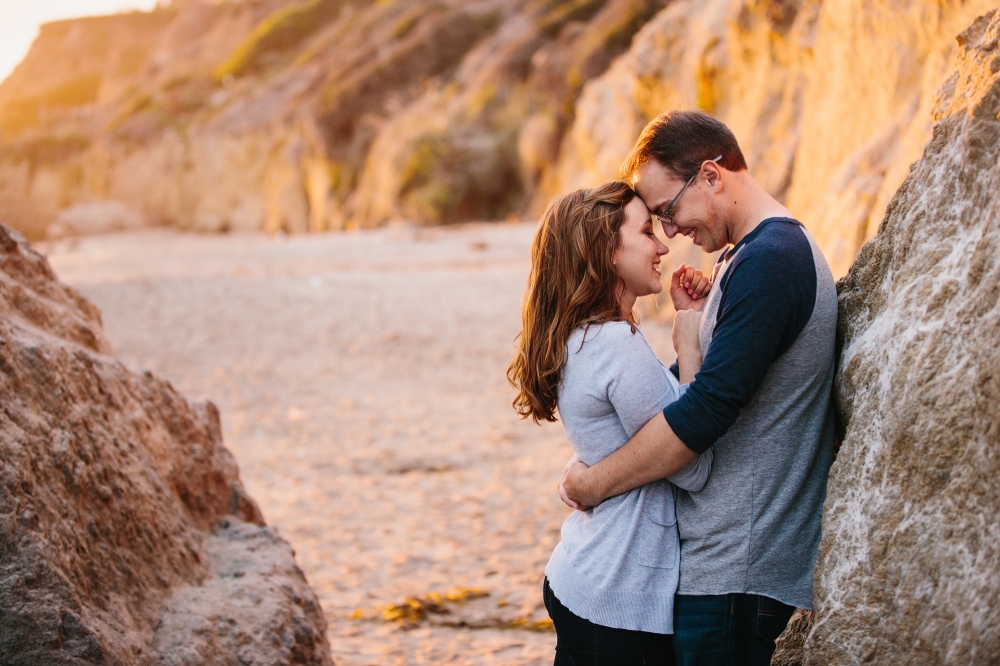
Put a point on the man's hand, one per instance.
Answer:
(575, 490)
(688, 288)
(655, 452)
(574, 464)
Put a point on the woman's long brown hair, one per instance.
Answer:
(573, 283)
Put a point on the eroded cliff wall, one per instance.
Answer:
(273, 114)
(125, 534)
(908, 564)
(830, 100)
(298, 115)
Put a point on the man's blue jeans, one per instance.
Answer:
(727, 629)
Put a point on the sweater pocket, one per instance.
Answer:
(656, 541)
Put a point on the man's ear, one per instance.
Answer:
(712, 173)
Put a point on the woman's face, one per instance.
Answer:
(637, 258)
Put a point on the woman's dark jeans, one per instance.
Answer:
(727, 629)
(580, 642)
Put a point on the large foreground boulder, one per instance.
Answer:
(125, 534)
(909, 565)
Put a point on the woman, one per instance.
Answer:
(610, 583)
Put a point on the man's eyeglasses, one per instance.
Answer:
(665, 217)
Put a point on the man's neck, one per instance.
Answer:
(751, 206)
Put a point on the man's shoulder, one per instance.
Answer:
(779, 253)
(776, 236)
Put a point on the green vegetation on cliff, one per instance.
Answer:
(463, 174)
(308, 114)
(280, 32)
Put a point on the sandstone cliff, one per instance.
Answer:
(315, 114)
(831, 101)
(125, 533)
(298, 115)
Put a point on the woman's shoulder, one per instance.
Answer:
(608, 339)
(605, 333)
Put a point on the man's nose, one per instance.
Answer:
(669, 229)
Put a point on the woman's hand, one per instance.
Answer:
(688, 288)
(574, 464)
(687, 344)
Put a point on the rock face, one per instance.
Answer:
(789, 646)
(831, 101)
(302, 115)
(908, 564)
(125, 534)
(316, 114)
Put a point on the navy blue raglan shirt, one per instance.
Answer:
(767, 297)
(762, 402)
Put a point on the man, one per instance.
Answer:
(750, 538)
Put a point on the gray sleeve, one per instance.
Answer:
(693, 477)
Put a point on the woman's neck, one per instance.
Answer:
(625, 305)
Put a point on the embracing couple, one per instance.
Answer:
(699, 488)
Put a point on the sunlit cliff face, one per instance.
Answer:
(22, 19)
(276, 115)
(302, 116)
(830, 101)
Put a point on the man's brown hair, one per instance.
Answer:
(681, 141)
(573, 283)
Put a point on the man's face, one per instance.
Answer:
(695, 213)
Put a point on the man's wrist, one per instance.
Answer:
(589, 484)
(579, 485)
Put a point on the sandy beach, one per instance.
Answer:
(361, 383)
